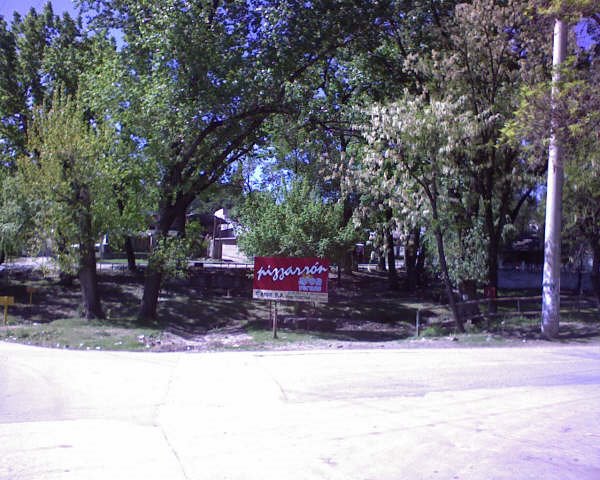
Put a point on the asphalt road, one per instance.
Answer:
(497, 413)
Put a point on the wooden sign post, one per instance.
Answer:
(6, 301)
(31, 291)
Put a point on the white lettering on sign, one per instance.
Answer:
(280, 273)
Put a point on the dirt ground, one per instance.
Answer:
(212, 310)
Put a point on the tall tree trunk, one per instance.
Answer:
(413, 259)
(492, 275)
(152, 284)
(596, 270)
(388, 243)
(410, 262)
(153, 278)
(130, 253)
(88, 278)
(420, 263)
(391, 260)
(381, 250)
(439, 239)
(347, 261)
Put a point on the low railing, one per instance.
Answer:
(522, 307)
(568, 302)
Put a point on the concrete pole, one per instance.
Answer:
(551, 278)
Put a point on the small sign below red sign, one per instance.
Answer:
(285, 278)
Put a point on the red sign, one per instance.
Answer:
(298, 279)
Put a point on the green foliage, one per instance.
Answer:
(170, 256)
(569, 10)
(569, 110)
(293, 221)
(482, 51)
(15, 214)
(414, 160)
(38, 52)
(197, 83)
(197, 245)
(574, 111)
(434, 331)
(67, 178)
(134, 178)
(466, 252)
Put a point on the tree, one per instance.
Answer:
(416, 150)
(479, 53)
(322, 137)
(582, 203)
(494, 49)
(15, 216)
(207, 75)
(565, 113)
(134, 178)
(68, 182)
(296, 222)
(37, 53)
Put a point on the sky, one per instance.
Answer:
(7, 7)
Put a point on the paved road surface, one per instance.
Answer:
(506, 413)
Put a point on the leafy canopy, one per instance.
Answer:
(68, 176)
(293, 221)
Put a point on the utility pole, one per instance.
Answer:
(552, 238)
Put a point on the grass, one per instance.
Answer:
(126, 335)
(79, 334)
(199, 311)
(265, 338)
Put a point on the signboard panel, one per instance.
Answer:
(295, 279)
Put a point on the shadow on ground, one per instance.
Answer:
(361, 309)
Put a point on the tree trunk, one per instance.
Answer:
(87, 259)
(153, 279)
(388, 248)
(468, 292)
(152, 284)
(131, 265)
(129, 252)
(492, 274)
(65, 279)
(439, 239)
(420, 263)
(412, 260)
(596, 270)
(391, 259)
(381, 253)
(347, 263)
(88, 280)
